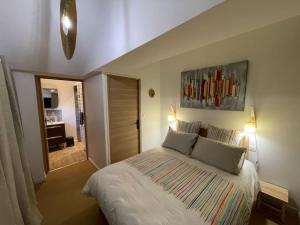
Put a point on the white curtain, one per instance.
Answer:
(18, 205)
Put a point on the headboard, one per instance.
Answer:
(203, 132)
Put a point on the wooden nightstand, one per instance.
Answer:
(274, 197)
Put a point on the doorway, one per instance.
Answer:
(62, 121)
(124, 117)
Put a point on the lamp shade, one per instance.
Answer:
(250, 127)
(171, 118)
(68, 26)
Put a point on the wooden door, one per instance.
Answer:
(43, 130)
(123, 103)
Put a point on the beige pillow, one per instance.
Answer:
(232, 137)
(223, 156)
(188, 127)
(180, 141)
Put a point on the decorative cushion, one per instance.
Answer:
(179, 141)
(188, 127)
(232, 137)
(223, 156)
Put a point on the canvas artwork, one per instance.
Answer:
(219, 87)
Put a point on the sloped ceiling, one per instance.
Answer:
(229, 19)
(30, 39)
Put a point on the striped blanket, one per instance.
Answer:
(217, 200)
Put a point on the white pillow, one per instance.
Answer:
(180, 141)
(223, 156)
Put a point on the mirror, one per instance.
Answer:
(50, 97)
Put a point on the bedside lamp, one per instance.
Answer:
(171, 118)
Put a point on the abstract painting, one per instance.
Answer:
(220, 87)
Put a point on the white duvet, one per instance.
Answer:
(127, 197)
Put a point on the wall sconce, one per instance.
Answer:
(172, 118)
(250, 126)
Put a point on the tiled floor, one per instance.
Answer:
(67, 156)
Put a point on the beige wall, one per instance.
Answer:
(273, 88)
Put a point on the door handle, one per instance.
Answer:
(137, 123)
(81, 118)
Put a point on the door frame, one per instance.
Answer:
(42, 118)
(139, 108)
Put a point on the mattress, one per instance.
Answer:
(164, 187)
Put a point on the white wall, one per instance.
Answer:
(273, 88)
(25, 85)
(66, 103)
(24, 33)
(95, 94)
(150, 107)
(146, 20)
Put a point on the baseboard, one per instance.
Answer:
(74, 163)
(97, 167)
(40, 180)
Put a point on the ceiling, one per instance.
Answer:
(229, 19)
(30, 36)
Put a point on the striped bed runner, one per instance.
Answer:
(218, 200)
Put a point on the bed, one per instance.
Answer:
(164, 187)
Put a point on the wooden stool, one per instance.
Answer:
(274, 197)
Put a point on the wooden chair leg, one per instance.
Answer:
(283, 209)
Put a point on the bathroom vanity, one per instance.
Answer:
(56, 133)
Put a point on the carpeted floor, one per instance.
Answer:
(67, 156)
(61, 203)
